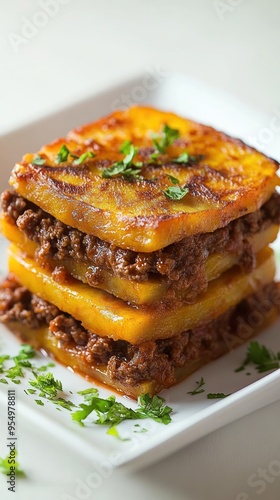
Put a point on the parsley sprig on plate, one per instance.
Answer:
(263, 358)
(198, 390)
(108, 411)
(111, 413)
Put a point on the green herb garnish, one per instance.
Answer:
(68, 405)
(112, 413)
(175, 192)
(39, 402)
(200, 383)
(217, 395)
(44, 368)
(5, 467)
(125, 167)
(46, 384)
(38, 160)
(168, 136)
(263, 358)
(183, 158)
(173, 179)
(14, 371)
(108, 411)
(80, 159)
(63, 154)
(186, 158)
(113, 431)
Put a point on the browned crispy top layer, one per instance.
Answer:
(222, 180)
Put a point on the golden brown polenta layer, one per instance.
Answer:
(230, 180)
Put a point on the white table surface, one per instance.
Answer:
(89, 44)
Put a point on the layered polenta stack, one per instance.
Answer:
(139, 245)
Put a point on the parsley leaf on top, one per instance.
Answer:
(175, 192)
(162, 141)
(125, 167)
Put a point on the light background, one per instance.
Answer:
(87, 46)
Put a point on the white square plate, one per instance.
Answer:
(194, 416)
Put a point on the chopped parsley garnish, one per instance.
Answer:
(22, 359)
(44, 368)
(113, 431)
(175, 192)
(38, 160)
(80, 159)
(173, 179)
(13, 372)
(108, 411)
(140, 430)
(46, 384)
(168, 136)
(200, 383)
(125, 148)
(187, 159)
(5, 467)
(39, 402)
(263, 358)
(112, 413)
(68, 405)
(63, 154)
(125, 167)
(183, 158)
(217, 395)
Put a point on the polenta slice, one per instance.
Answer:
(148, 292)
(227, 179)
(140, 248)
(108, 316)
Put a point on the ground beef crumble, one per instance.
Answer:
(182, 263)
(127, 363)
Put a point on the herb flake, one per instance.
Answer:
(5, 467)
(175, 193)
(217, 395)
(63, 154)
(79, 160)
(263, 358)
(38, 160)
(125, 167)
(163, 141)
(198, 390)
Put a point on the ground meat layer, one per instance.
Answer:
(152, 360)
(182, 263)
